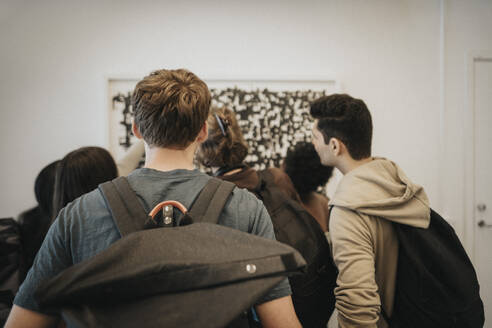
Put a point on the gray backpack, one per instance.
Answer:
(164, 274)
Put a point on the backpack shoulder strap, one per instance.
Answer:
(261, 183)
(385, 316)
(126, 210)
(209, 204)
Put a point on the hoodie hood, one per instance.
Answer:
(380, 188)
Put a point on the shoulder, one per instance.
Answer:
(245, 212)
(348, 224)
(345, 223)
(244, 195)
(281, 180)
(85, 209)
(243, 201)
(86, 226)
(321, 198)
(316, 200)
(276, 172)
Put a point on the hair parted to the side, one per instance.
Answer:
(221, 150)
(79, 172)
(347, 119)
(170, 107)
(303, 166)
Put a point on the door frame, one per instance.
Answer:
(469, 152)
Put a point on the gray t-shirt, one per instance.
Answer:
(85, 227)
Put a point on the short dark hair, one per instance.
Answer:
(348, 119)
(170, 107)
(303, 166)
(225, 146)
(80, 172)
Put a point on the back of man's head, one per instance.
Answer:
(347, 119)
(170, 108)
(303, 166)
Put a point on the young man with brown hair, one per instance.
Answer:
(171, 108)
(373, 193)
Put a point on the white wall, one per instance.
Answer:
(55, 56)
(468, 28)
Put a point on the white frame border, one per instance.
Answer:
(214, 79)
(469, 152)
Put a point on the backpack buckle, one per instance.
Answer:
(162, 215)
(167, 215)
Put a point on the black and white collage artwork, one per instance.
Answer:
(273, 115)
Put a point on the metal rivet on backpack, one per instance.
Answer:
(251, 268)
(167, 210)
(168, 220)
(167, 213)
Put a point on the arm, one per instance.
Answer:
(278, 313)
(51, 258)
(130, 160)
(23, 318)
(275, 310)
(357, 298)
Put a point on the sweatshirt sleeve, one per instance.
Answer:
(357, 298)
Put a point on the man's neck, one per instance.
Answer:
(348, 164)
(167, 159)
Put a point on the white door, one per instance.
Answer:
(483, 180)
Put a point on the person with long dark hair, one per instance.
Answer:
(80, 172)
(34, 223)
(21, 239)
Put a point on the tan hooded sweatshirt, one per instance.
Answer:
(365, 246)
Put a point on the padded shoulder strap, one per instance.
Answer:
(209, 204)
(261, 183)
(126, 210)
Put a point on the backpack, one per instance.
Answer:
(165, 273)
(313, 291)
(436, 284)
(10, 263)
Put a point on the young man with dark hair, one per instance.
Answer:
(171, 108)
(373, 193)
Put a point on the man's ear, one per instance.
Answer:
(335, 146)
(203, 134)
(135, 131)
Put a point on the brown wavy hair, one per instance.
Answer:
(170, 107)
(221, 150)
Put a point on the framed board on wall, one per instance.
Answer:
(272, 113)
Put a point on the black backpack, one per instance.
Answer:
(10, 263)
(312, 292)
(162, 273)
(436, 285)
